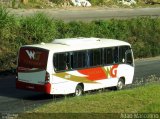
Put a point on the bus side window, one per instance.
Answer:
(116, 55)
(78, 59)
(122, 51)
(61, 61)
(68, 64)
(108, 56)
(95, 57)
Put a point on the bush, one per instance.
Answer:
(9, 28)
(96, 2)
(36, 29)
(57, 1)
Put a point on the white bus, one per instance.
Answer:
(75, 65)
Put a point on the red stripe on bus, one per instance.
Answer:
(94, 73)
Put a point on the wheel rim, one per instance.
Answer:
(78, 91)
(120, 85)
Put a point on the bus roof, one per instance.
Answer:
(69, 44)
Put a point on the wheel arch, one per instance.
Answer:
(123, 79)
(81, 84)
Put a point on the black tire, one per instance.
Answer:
(120, 84)
(78, 90)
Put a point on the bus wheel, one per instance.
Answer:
(78, 90)
(120, 84)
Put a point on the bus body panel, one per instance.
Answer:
(66, 87)
(92, 78)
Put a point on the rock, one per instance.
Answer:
(128, 2)
(84, 3)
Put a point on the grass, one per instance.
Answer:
(144, 99)
(141, 99)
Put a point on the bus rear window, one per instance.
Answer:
(30, 57)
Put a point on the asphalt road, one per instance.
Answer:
(147, 67)
(89, 14)
(13, 100)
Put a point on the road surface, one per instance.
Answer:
(89, 14)
(13, 100)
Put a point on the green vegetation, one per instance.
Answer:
(144, 99)
(117, 3)
(142, 33)
(27, 4)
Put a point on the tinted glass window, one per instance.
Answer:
(115, 55)
(129, 58)
(61, 61)
(108, 56)
(111, 55)
(78, 59)
(122, 51)
(95, 57)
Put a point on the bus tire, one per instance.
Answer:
(120, 84)
(78, 90)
